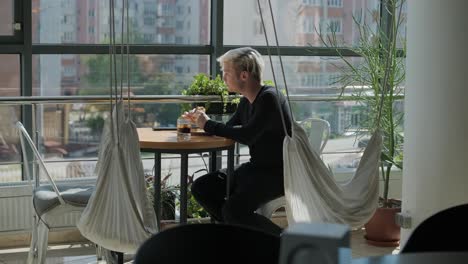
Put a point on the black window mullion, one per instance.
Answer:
(217, 13)
(26, 71)
(18, 18)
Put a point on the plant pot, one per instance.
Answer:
(381, 230)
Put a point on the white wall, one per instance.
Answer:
(436, 127)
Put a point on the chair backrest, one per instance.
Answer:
(209, 243)
(439, 232)
(318, 132)
(23, 134)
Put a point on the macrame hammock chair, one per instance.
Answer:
(119, 215)
(311, 192)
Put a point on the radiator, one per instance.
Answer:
(17, 215)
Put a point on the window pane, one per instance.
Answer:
(70, 134)
(346, 144)
(10, 150)
(9, 75)
(309, 75)
(297, 21)
(319, 76)
(401, 41)
(151, 21)
(89, 74)
(6, 17)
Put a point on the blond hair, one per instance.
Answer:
(245, 59)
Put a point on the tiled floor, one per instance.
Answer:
(85, 253)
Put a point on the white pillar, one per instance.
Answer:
(435, 172)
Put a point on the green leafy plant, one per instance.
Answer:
(194, 209)
(170, 197)
(204, 85)
(96, 124)
(169, 194)
(376, 83)
(269, 83)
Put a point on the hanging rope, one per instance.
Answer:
(128, 62)
(283, 120)
(111, 51)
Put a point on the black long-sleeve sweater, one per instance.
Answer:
(259, 126)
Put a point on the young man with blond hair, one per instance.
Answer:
(257, 124)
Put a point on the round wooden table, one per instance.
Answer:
(166, 141)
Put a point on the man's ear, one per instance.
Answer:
(244, 75)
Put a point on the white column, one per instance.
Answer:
(435, 172)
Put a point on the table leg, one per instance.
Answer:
(213, 165)
(183, 187)
(237, 152)
(230, 170)
(157, 187)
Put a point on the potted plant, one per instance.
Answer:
(376, 83)
(204, 85)
(168, 196)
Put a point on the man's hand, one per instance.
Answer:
(202, 118)
(197, 115)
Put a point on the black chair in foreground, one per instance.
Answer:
(440, 231)
(209, 243)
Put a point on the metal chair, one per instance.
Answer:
(50, 201)
(439, 232)
(318, 132)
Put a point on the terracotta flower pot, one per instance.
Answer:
(381, 229)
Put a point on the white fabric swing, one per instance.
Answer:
(119, 215)
(312, 194)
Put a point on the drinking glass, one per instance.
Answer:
(183, 129)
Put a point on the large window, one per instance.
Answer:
(170, 42)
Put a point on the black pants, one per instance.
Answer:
(251, 188)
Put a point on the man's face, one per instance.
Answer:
(231, 78)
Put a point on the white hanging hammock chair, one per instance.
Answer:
(119, 215)
(313, 195)
(311, 191)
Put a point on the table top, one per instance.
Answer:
(167, 140)
(417, 258)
